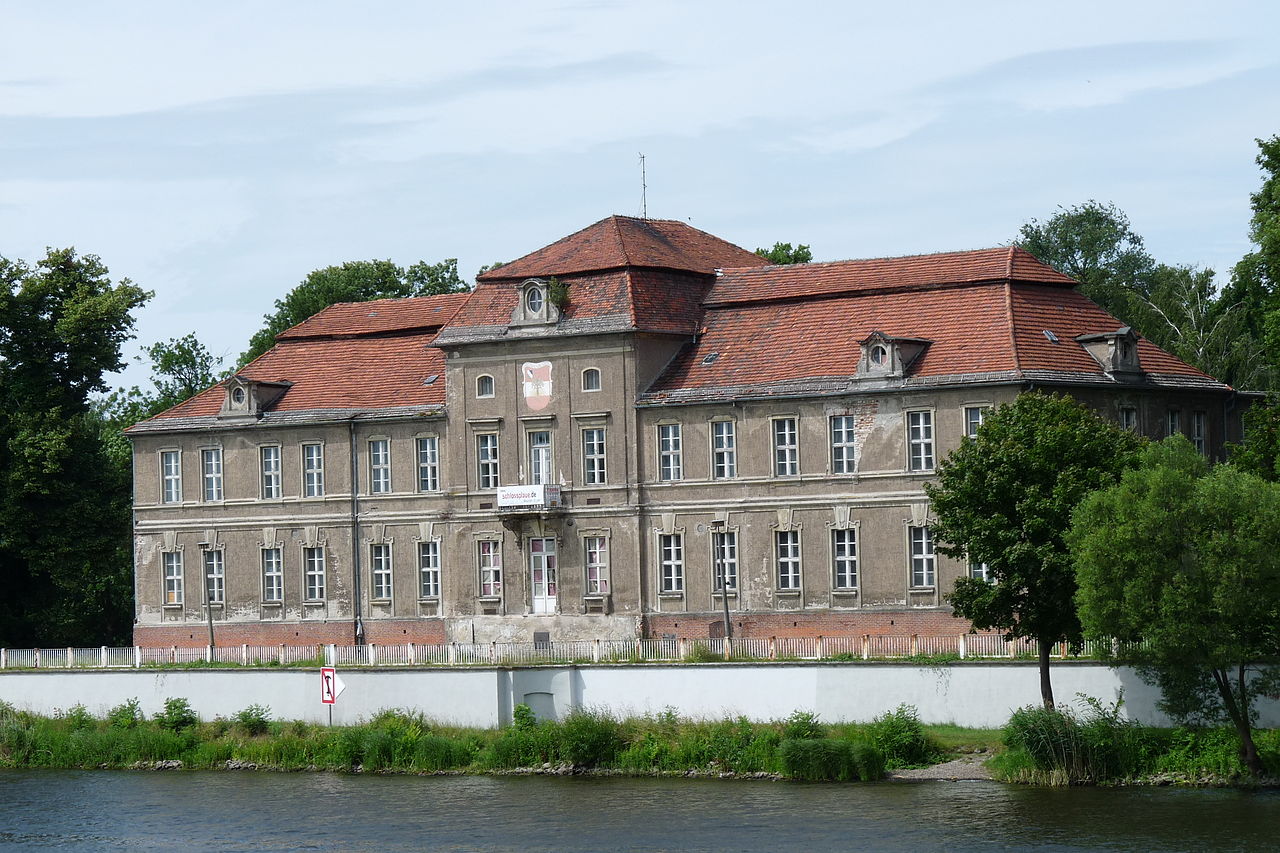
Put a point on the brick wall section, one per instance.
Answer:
(382, 632)
(698, 626)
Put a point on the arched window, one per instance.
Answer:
(484, 386)
(534, 299)
(591, 379)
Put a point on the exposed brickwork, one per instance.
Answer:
(698, 626)
(290, 633)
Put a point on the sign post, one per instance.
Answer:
(331, 687)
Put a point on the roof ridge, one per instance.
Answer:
(622, 243)
(770, 267)
(1013, 337)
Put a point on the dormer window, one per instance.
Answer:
(879, 355)
(534, 300)
(885, 356)
(536, 305)
(1116, 352)
(238, 396)
(249, 398)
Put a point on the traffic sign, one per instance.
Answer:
(331, 685)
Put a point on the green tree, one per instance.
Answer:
(354, 281)
(65, 563)
(1255, 281)
(1005, 499)
(1259, 453)
(1181, 564)
(785, 253)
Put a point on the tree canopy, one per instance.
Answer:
(1005, 499)
(785, 253)
(1181, 564)
(65, 563)
(353, 281)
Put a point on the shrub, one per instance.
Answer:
(801, 725)
(1096, 746)
(701, 653)
(254, 720)
(177, 714)
(590, 738)
(436, 752)
(869, 761)
(822, 760)
(78, 718)
(899, 735)
(126, 715)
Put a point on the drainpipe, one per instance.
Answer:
(358, 625)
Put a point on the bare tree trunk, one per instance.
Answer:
(1239, 714)
(1046, 688)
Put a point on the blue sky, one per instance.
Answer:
(216, 153)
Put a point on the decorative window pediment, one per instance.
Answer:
(888, 356)
(1116, 352)
(249, 398)
(539, 303)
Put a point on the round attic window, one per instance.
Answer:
(237, 396)
(533, 300)
(879, 356)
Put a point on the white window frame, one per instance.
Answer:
(379, 466)
(540, 458)
(1199, 434)
(272, 575)
(429, 569)
(924, 560)
(214, 563)
(974, 417)
(587, 375)
(211, 474)
(486, 387)
(844, 558)
(173, 573)
(314, 574)
(1173, 422)
(595, 561)
(428, 452)
(786, 552)
(270, 459)
(380, 571)
(724, 450)
(489, 566)
(842, 432)
(594, 460)
(313, 469)
(488, 470)
(724, 557)
(920, 450)
(1129, 418)
(980, 571)
(670, 452)
(671, 563)
(786, 446)
(171, 476)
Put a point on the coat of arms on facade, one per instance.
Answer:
(536, 376)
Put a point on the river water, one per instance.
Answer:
(229, 811)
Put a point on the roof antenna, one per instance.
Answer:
(644, 205)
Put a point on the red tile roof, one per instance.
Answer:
(378, 316)
(914, 271)
(624, 241)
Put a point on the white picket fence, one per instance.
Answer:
(867, 647)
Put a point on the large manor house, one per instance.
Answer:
(608, 436)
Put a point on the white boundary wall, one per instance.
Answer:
(967, 694)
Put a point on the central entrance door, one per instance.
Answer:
(542, 568)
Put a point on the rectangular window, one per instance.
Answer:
(172, 577)
(272, 575)
(670, 456)
(211, 472)
(380, 571)
(1198, 431)
(214, 577)
(671, 551)
(429, 569)
(788, 551)
(539, 456)
(489, 555)
(487, 460)
(724, 452)
(269, 458)
(597, 554)
(313, 470)
(844, 558)
(920, 440)
(843, 460)
(922, 560)
(593, 468)
(973, 418)
(171, 476)
(1173, 422)
(724, 557)
(429, 464)
(379, 466)
(981, 571)
(1129, 418)
(313, 566)
(786, 448)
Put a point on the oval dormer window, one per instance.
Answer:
(237, 396)
(879, 356)
(534, 300)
